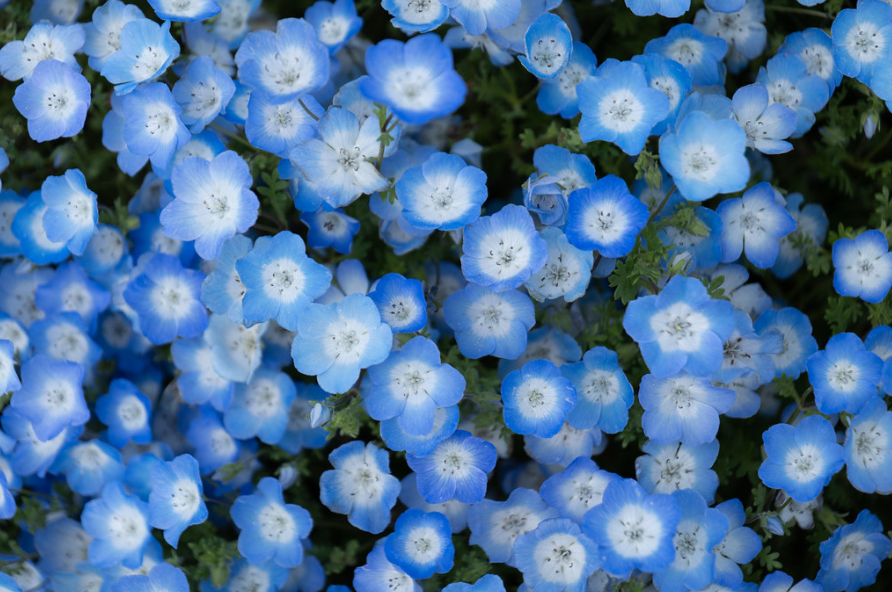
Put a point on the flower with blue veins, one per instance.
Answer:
(739, 546)
(72, 212)
(863, 266)
(504, 250)
(126, 411)
(558, 95)
(867, 448)
(270, 528)
(380, 574)
(844, 375)
(798, 342)
(557, 556)
(152, 124)
(683, 408)
(412, 16)
(788, 83)
(753, 225)
(88, 466)
(222, 290)
(360, 486)
(335, 22)
(495, 526)
(705, 157)
(189, 11)
(396, 438)
(411, 384)
(44, 41)
(673, 466)
(536, 399)
(260, 406)
(280, 127)
(202, 92)
(102, 35)
(421, 544)
(147, 49)
(566, 273)
(416, 79)
(605, 217)
(814, 47)
(851, 557)
(668, 77)
(699, 53)
(767, 124)
(52, 396)
(176, 500)
(400, 302)
(801, 459)
(456, 469)
(54, 100)
(577, 489)
(619, 106)
(549, 46)
(119, 525)
(283, 65)
(477, 17)
(862, 39)
(489, 323)
(443, 193)
(330, 228)
(335, 342)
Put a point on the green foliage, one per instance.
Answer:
(212, 556)
(647, 167)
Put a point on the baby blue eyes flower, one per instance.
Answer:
(619, 106)
(380, 574)
(536, 399)
(44, 41)
(673, 466)
(780, 582)
(700, 54)
(495, 526)
(213, 201)
(556, 557)
(152, 123)
(54, 100)
(176, 499)
(401, 303)
(682, 408)
(456, 469)
(72, 212)
(753, 224)
(330, 228)
(478, 17)
(862, 39)
(280, 127)
(126, 411)
(567, 272)
(605, 217)
(283, 65)
(188, 11)
(51, 397)
(706, 157)
(103, 33)
(844, 375)
(443, 193)
(851, 557)
(767, 124)
(335, 342)
(335, 22)
(88, 466)
(788, 83)
(147, 49)
(416, 17)
(863, 266)
(502, 251)
(558, 95)
(270, 528)
(866, 451)
(667, 8)
(421, 544)
(488, 583)
(280, 281)
(119, 525)
(416, 79)
(577, 489)
(162, 576)
(549, 46)
(604, 393)
(260, 406)
(489, 323)
(202, 93)
(802, 458)
(7, 510)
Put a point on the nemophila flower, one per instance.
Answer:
(459, 38)
(682, 408)
(788, 82)
(557, 95)
(54, 100)
(147, 49)
(667, 8)
(330, 228)
(747, 352)
(566, 273)
(400, 302)
(416, 79)
(673, 466)
(767, 124)
(188, 11)
(445, 421)
(421, 544)
(244, 575)
(10, 204)
(51, 397)
(44, 41)
(705, 157)
(696, 237)
(118, 523)
(556, 556)
(488, 583)
(633, 530)
(495, 526)
(416, 17)
(27, 227)
(152, 124)
(549, 46)
(456, 469)
(618, 106)
(33, 455)
(222, 290)
(867, 448)
(670, 78)
(577, 489)
(477, 18)
(700, 54)
(166, 299)
(502, 251)
(270, 528)
(102, 35)
(798, 342)
(260, 406)
(862, 39)
(851, 557)
(88, 466)
(739, 546)
(605, 217)
(380, 574)
(682, 328)
(744, 31)
(753, 224)
(778, 581)
(536, 399)
(814, 47)
(126, 411)
(72, 212)
(488, 322)
(213, 201)
(202, 93)
(338, 162)
(236, 351)
(844, 375)
(71, 290)
(564, 447)
(7, 510)
(279, 127)
(283, 65)
(280, 280)
(9, 380)
(802, 458)
(199, 382)
(443, 193)
(212, 443)
(863, 266)
(176, 499)
(64, 336)
(360, 486)
(335, 22)
(160, 577)
(811, 230)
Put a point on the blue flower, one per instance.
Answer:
(744, 31)
(798, 343)
(400, 302)
(413, 17)
(330, 228)
(502, 251)
(667, 8)
(33, 455)
(668, 77)
(605, 217)
(162, 576)
(102, 35)
(767, 124)
(700, 54)
(788, 83)
(564, 447)
(336, 341)
(488, 583)
(626, 516)
(360, 486)
(867, 455)
(558, 95)
(705, 157)
(536, 399)
(618, 106)
(380, 574)
(126, 411)
(396, 438)
(222, 290)
(566, 273)
(214, 446)
(7, 510)
(416, 79)
(577, 489)
(263, 577)
(844, 375)
(189, 12)
(673, 466)
(421, 544)
(166, 299)
(739, 546)
(119, 525)
(88, 466)
(176, 499)
(443, 193)
(802, 458)
(851, 557)
(682, 328)
(778, 581)
(147, 49)
(152, 124)
(556, 557)
(862, 39)
(495, 526)
(863, 266)
(811, 230)
(754, 224)
(335, 22)
(280, 127)
(71, 290)
(682, 408)
(477, 17)
(270, 528)
(51, 397)
(814, 47)
(456, 469)
(260, 406)
(489, 323)
(54, 100)
(44, 41)
(72, 212)
(548, 44)
(202, 93)
(9, 380)
(283, 65)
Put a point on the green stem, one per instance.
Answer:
(656, 212)
(381, 145)
(800, 405)
(232, 136)
(273, 219)
(307, 109)
(879, 146)
(31, 493)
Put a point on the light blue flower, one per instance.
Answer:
(88, 466)
(744, 31)
(477, 17)
(557, 556)
(72, 213)
(851, 557)
(147, 49)
(44, 41)
(566, 273)
(844, 375)
(260, 407)
(673, 466)
(415, 17)
(445, 421)
(127, 413)
(536, 399)
(443, 193)
(739, 546)
(682, 408)
(222, 291)
(549, 46)
(700, 54)
(753, 224)
(488, 322)
(788, 82)
(604, 393)
(862, 39)
(400, 302)
(811, 230)
(467, 460)
(176, 499)
(279, 127)
(577, 489)
(767, 124)
(152, 124)
(380, 574)
(565, 446)
(421, 544)
(863, 266)
(51, 397)
(119, 525)
(212, 443)
(102, 35)
(202, 93)
(814, 47)
(335, 22)
(54, 100)
(188, 12)
(330, 228)
(667, 8)
(558, 95)
(488, 583)
(798, 342)
(866, 452)
(495, 526)
(605, 217)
